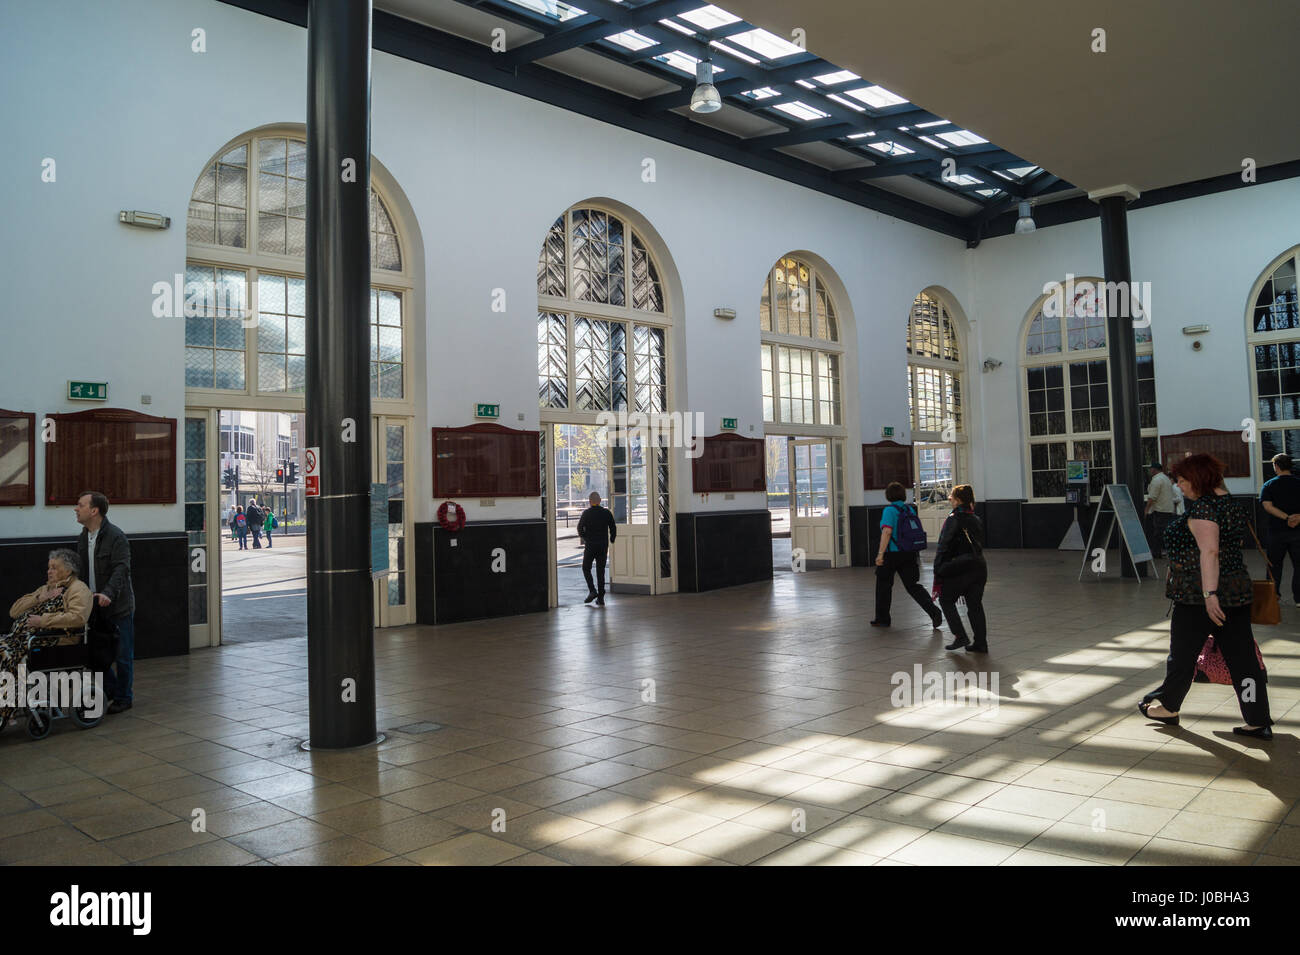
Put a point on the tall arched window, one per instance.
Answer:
(801, 350)
(247, 238)
(934, 396)
(1065, 363)
(1274, 338)
(601, 317)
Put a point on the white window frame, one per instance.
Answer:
(1253, 338)
(812, 344)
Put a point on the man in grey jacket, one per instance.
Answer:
(104, 556)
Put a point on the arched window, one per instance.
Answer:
(1274, 338)
(600, 317)
(934, 371)
(245, 324)
(801, 350)
(1065, 364)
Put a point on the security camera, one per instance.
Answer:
(991, 363)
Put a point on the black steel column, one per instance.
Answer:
(340, 624)
(1126, 428)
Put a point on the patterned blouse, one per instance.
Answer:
(1184, 584)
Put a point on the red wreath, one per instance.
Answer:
(451, 524)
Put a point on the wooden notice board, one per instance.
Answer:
(486, 460)
(729, 462)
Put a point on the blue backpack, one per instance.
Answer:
(909, 535)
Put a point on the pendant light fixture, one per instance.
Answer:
(1025, 224)
(705, 99)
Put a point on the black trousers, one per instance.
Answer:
(1283, 544)
(1159, 521)
(970, 586)
(908, 567)
(1188, 628)
(590, 555)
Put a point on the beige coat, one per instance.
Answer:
(76, 601)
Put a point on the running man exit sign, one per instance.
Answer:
(728, 424)
(87, 391)
(487, 411)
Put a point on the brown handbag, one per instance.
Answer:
(1264, 608)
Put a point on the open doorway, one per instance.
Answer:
(936, 471)
(263, 553)
(805, 499)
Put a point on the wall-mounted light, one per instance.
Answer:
(991, 363)
(724, 313)
(145, 220)
(705, 99)
(1025, 224)
(1195, 329)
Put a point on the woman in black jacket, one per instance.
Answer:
(960, 570)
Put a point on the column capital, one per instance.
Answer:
(1128, 192)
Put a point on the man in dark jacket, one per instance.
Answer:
(255, 519)
(596, 530)
(104, 556)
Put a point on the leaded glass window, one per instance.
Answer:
(801, 385)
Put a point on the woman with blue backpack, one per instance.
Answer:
(901, 541)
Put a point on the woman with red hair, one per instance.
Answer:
(1211, 591)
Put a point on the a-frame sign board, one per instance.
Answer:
(1132, 535)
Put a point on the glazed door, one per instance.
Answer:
(633, 554)
(812, 492)
(936, 472)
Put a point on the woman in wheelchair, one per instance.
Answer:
(63, 604)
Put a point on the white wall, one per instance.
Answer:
(1202, 258)
(114, 94)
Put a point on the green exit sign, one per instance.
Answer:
(87, 391)
(728, 424)
(487, 411)
(886, 432)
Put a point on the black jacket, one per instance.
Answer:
(112, 567)
(597, 529)
(953, 542)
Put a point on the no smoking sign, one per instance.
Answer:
(311, 476)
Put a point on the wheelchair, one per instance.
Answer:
(88, 656)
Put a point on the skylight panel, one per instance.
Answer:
(631, 40)
(766, 44)
(684, 62)
(877, 96)
(680, 28)
(801, 110)
(963, 137)
(936, 122)
(934, 142)
(830, 79)
(732, 52)
(963, 180)
(765, 93)
(710, 17)
(846, 102)
(806, 85)
(891, 149)
(1021, 171)
(554, 9)
(860, 135)
(987, 193)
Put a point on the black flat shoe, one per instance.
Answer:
(978, 648)
(590, 598)
(957, 645)
(936, 622)
(1263, 732)
(1167, 720)
(880, 623)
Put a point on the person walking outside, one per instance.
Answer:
(1211, 593)
(255, 518)
(104, 559)
(961, 571)
(1160, 507)
(269, 523)
(240, 520)
(596, 530)
(901, 541)
(1280, 497)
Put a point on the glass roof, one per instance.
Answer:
(773, 78)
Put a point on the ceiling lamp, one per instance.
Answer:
(705, 99)
(1025, 224)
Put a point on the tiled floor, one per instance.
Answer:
(767, 736)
